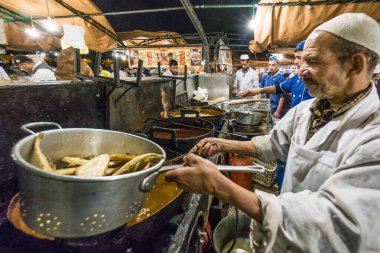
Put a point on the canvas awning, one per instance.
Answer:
(284, 26)
(19, 40)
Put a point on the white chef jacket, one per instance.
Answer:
(3, 74)
(168, 72)
(245, 80)
(42, 74)
(330, 199)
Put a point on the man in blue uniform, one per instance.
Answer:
(293, 85)
(273, 77)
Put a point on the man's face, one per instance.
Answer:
(376, 79)
(174, 69)
(273, 67)
(26, 67)
(298, 61)
(244, 64)
(322, 73)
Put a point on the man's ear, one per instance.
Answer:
(359, 64)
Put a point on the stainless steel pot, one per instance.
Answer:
(249, 118)
(225, 233)
(72, 206)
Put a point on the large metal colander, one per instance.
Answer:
(71, 206)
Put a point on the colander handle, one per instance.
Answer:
(147, 183)
(26, 127)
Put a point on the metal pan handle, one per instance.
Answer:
(185, 112)
(26, 127)
(147, 183)
(172, 132)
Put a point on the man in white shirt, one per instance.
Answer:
(40, 71)
(173, 69)
(246, 77)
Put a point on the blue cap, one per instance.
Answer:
(300, 46)
(273, 58)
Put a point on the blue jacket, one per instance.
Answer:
(268, 80)
(298, 89)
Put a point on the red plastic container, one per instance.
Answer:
(244, 179)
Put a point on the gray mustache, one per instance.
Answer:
(308, 80)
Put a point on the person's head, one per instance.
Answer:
(340, 56)
(298, 54)
(24, 63)
(173, 66)
(273, 65)
(244, 61)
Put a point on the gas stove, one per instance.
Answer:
(179, 234)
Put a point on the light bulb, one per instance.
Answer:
(50, 25)
(251, 23)
(123, 57)
(279, 56)
(32, 32)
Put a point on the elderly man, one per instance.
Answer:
(293, 85)
(246, 77)
(40, 71)
(331, 192)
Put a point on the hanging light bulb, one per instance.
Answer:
(279, 56)
(32, 32)
(50, 25)
(251, 23)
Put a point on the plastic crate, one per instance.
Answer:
(268, 177)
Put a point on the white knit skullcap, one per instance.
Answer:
(355, 27)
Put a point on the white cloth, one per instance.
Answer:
(246, 80)
(3, 74)
(42, 75)
(330, 198)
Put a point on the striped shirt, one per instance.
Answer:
(322, 113)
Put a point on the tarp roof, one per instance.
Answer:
(18, 40)
(281, 23)
(282, 26)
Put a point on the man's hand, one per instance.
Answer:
(250, 92)
(276, 114)
(202, 176)
(208, 147)
(198, 176)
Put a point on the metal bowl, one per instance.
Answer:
(248, 118)
(225, 231)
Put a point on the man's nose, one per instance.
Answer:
(304, 71)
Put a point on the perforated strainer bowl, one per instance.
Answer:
(72, 206)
